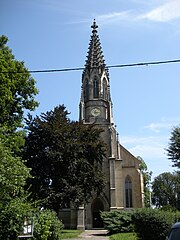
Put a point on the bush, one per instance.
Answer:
(117, 221)
(153, 223)
(47, 226)
(12, 216)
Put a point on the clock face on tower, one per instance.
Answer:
(95, 112)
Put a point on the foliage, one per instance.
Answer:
(13, 173)
(166, 190)
(12, 215)
(47, 226)
(66, 233)
(65, 158)
(124, 236)
(14, 141)
(117, 221)
(17, 88)
(153, 223)
(17, 93)
(147, 180)
(173, 150)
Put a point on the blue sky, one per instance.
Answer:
(55, 34)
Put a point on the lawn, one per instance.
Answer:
(70, 233)
(124, 236)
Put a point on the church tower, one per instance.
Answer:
(124, 185)
(124, 182)
(95, 104)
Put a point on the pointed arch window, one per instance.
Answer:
(95, 87)
(104, 89)
(128, 192)
(86, 90)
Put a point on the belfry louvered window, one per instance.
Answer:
(104, 89)
(95, 87)
(128, 192)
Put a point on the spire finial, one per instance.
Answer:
(94, 26)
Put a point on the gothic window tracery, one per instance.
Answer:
(128, 192)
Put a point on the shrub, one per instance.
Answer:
(12, 216)
(117, 221)
(153, 223)
(47, 226)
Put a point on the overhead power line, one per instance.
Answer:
(107, 67)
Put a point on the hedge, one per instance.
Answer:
(117, 221)
(153, 223)
(147, 223)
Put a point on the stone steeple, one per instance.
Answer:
(95, 104)
(95, 54)
(95, 57)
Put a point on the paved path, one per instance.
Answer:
(92, 235)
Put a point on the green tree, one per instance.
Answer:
(166, 190)
(17, 88)
(17, 93)
(65, 158)
(13, 174)
(147, 181)
(173, 150)
(12, 216)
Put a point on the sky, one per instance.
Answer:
(55, 34)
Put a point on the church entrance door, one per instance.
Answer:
(97, 207)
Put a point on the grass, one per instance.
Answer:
(70, 233)
(124, 236)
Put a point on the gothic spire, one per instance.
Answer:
(95, 58)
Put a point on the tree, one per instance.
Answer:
(173, 150)
(13, 174)
(166, 190)
(17, 92)
(147, 180)
(17, 88)
(65, 158)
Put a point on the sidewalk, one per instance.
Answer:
(92, 235)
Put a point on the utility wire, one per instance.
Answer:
(106, 67)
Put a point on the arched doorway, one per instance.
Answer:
(97, 207)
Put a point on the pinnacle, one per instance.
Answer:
(94, 26)
(95, 58)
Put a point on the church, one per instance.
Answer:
(124, 189)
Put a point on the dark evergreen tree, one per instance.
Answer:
(65, 158)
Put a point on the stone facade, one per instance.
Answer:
(124, 188)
